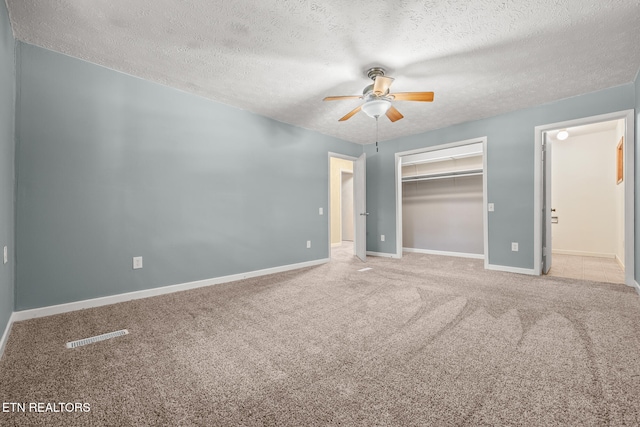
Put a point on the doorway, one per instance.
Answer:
(587, 201)
(347, 216)
(584, 199)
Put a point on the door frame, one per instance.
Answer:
(352, 159)
(629, 186)
(546, 260)
(398, 179)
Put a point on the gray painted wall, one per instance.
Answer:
(111, 166)
(7, 176)
(510, 167)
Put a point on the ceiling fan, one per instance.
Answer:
(377, 99)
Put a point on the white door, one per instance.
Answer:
(547, 211)
(360, 211)
(347, 206)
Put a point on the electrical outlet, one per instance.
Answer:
(321, 211)
(308, 244)
(6, 255)
(491, 207)
(514, 246)
(382, 237)
(137, 262)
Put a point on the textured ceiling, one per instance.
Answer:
(279, 58)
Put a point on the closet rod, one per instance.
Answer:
(428, 178)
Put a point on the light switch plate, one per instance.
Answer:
(491, 207)
(514, 246)
(6, 255)
(321, 211)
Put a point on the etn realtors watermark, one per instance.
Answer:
(45, 407)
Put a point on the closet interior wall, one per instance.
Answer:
(442, 206)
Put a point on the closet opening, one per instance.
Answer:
(441, 199)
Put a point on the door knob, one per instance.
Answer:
(365, 213)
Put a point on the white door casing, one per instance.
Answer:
(360, 206)
(546, 204)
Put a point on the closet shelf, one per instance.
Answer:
(442, 175)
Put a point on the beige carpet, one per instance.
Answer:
(425, 340)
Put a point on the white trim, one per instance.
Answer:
(629, 186)
(444, 253)
(457, 152)
(439, 146)
(398, 175)
(335, 245)
(398, 178)
(580, 253)
(620, 263)
(528, 271)
(382, 254)
(113, 299)
(5, 335)
(485, 202)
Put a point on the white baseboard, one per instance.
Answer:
(5, 335)
(382, 254)
(445, 253)
(528, 271)
(620, 262)
(580, 253)
(335, 245)
(113, 299)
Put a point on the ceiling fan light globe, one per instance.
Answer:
(376, 108)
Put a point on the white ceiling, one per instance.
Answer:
(279, 58)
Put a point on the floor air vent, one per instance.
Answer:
(91, 340)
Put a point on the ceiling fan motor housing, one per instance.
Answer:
(374, 72)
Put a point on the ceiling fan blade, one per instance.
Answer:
(339, 98)
(381, 85)
(350, 114)
(393, 114)
(413, 96)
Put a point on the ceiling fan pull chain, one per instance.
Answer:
(376, 134)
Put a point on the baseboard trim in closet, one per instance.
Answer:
(382, 254)
(445, 253)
